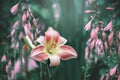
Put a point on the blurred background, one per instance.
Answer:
(69, 18)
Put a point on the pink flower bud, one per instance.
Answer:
(109, 8)
(12, 46)
(27, 28)
(113, 70)
(92, 44)
(107, 77)
(105, 45)
(119, 35)
(103, 35)
(109, 26)
(14, 9)
(119, 49)
(17, 45)
(110, 38)
(94, 32)
(35, 23)
(8, 66)
(97, 51)
(20, 35)
(119, 77)
(12, 40)
(102, 77)
(32, 64)
(15, 24)
(86, 52)
(24, 17)
(88, 25)
(17, 67)
(12, 32)
(90, 11)
(4, 58)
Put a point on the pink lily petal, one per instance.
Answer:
(113, 70)
(110, 38)
(38, 54)
(51, 35)
(88, 25)
(109, 26)
(17, 67)
(41, 40)
(4, 58)
(54, 60)
(32, 64)
(14, 9)
(67, 52)
(61, 41)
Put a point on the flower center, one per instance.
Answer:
(51, 48)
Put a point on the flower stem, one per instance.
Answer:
(29, 42)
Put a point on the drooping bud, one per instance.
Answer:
(89, 11)
(35, 23)
(110, 38)
(20, 35)
(24, 17)
(86, 52)
(109, 8)
(14, 9)
(15, 25)
(119, 35)
(109, 26)
(88, 25)
(113, 70)
(103, 35)
(17, 67)
(12, 32)
(3, 58)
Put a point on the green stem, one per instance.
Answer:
(41, 71)
(29, 42)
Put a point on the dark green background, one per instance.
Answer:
(71, 26)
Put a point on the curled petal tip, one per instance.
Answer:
(67, 52)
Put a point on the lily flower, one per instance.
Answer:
(52, 47)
